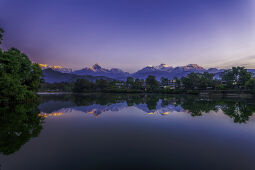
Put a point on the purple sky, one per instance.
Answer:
(131, 34)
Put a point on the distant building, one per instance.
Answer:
(120, 84)
(168, 84)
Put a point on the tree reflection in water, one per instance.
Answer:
(238, 109)
(18, 124)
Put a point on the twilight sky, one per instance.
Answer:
(130, 34)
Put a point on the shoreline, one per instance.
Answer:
(216, 93)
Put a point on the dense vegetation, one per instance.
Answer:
(236, 79)
(19, 81)
(19, 77)
(20, 122)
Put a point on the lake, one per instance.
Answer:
(130, 131)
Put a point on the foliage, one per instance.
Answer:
(197, 106)
(83, 85)
(164, 81)
(152, 83)
(62, 86)
(102, 84)
(18, 124)
(219, 87)
(138, 84)
(130, 82)
(239, 111)
(177, 82)
(1, 35)
(19, 78)
(236, 77)
(198, 81)
(250, 84)
(151, 102)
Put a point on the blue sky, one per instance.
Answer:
(131, 34)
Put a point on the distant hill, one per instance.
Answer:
(52, 76)
(58, 73)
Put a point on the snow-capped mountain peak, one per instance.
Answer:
(97, 70)
(56, 68)
(163, 65)
(194, 66)
(96, 67)
(162, 70)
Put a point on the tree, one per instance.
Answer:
(83, 85)
(164, 81)
(177, 82)
(1, 35)
(191, 81)
(236, 77)
(137, 84)
(207, 81)
(199, 81)
(243, 76)
(152, 83)
(62, 86)
(102, 84)
(33, 81)
(130, 82)
(250, 84)
(19, 77)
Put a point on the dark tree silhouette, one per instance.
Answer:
(18, 124)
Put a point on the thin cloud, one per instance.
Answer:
(247, 62)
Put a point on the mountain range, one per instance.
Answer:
(58, 73)
(97, 70)
(55, 68)
(52, 76)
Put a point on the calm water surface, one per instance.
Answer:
(113, 131)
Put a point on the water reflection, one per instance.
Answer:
(144, 131)
(18, 124)
(238, 109)
(50, 114)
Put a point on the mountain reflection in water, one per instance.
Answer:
(128, 131)
(55, 105)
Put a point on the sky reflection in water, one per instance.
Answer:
(139, 131)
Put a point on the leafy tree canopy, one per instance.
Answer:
(19, 77)
(236, 77)
(152, 83)
(1, 35)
